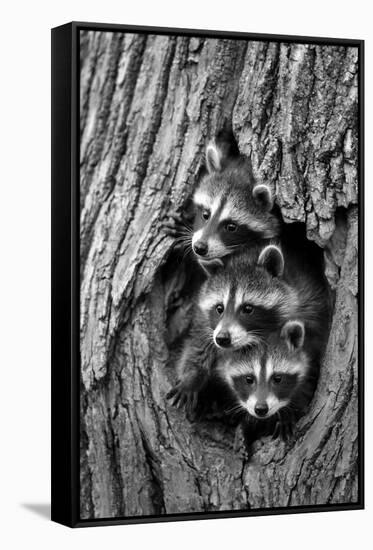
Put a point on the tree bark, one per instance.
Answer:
(148, 106)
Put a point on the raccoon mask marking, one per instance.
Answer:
(247, 300)
(231, 210)
(267, 379)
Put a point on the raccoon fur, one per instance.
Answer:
(257, 291)
(241, 305)
(271, 385)
(194, 366)
(232, 210)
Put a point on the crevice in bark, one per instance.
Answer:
(155, 474)
(87, 508)
(114, 452)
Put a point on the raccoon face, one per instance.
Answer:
(245, 302)
(265, 379)
(241, 321)
(230, 210)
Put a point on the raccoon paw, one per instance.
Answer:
(176, 226)
(283, 430)
(183, 397)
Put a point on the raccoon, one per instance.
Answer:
(268, 378)
(257, 292)
(232, 211)
(271, 385)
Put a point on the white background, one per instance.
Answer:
(25, 272)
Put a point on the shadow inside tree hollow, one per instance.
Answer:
(41, 509)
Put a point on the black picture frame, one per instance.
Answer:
(65, 272)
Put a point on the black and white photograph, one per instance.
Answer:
(219, 350)
(186, 266)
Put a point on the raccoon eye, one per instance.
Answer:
(250, 379)
(219, 308)
(247, 309)
(277, 378)
(205, 214)
(231, 227)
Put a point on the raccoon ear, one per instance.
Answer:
(272, 260)
(263, 197)
(214, 157)
(293, 333)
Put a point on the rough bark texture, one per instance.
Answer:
(148, 106)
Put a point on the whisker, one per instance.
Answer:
(235, 409)
(186, 230)
(233, 246)
(187, 250)
(185, 236)
(188, 227)
(182, 240)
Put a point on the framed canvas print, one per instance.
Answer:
(207, 274)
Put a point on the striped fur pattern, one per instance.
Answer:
(268, 378)
(257, 292)
(245, 301)
(232, 211)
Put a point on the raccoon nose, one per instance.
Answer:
(200, 248)
(223, 339)
(261, 410)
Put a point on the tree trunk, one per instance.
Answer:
(148, 106)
